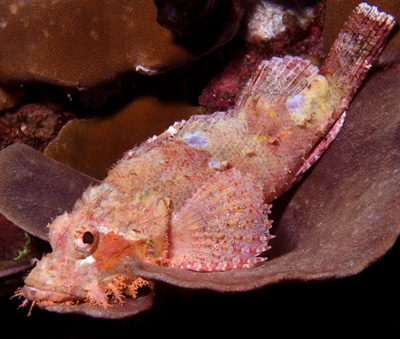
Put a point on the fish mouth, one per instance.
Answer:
(35, 294)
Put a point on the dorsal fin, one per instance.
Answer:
(224, 225)
(276, 79)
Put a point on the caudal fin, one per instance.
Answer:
(356, 48)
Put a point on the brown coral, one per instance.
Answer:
(92, 147)
(80, 43)
(365, 180)
(325, 228)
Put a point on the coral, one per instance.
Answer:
(175, 181)
(10, 96)
(290, 33)
(363, 169)
(37, 176)
(184, 17)
(266, 20)
(82, 43)
(18, 251)
(10, 235)
(93, 146)
(33, 124)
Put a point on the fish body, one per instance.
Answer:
(198, 196)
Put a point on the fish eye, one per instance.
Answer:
(85, 239)
(88, 238)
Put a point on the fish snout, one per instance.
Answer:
(52, 280)
(35, 294)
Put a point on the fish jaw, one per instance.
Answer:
(56, 280)
(43, 296)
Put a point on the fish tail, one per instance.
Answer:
(357, 47)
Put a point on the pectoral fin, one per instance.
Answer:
(224, 225)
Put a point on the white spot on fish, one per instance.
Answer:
(295, 103)
(172, 130)
(218, 165)
(196, 139)
(295, 106)
(214, 163)
(87, 261)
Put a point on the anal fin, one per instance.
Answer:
(224, 225)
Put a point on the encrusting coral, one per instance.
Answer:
(360, 193)
(82, 43)
(160, 204)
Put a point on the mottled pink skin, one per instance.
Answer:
(94, 244)
(196, 197)
(65, 275)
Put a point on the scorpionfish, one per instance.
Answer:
(197, 196)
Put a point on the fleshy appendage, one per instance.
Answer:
(100, 293)
(117, 288)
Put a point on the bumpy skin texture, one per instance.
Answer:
(196, 197)
(82, 43)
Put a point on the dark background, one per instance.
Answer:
(362, 304)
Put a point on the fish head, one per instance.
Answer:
(91, 254)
